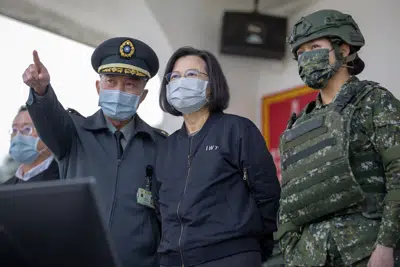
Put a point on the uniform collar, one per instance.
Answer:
(127, 130)
(98, 122)
(346, 88)
(95, 122)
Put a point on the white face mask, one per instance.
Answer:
(187, 95)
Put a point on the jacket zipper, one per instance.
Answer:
(245, 177)
(179, 203)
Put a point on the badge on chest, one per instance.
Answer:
(144, 196)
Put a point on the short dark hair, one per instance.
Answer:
(219, 95)
(22, 108)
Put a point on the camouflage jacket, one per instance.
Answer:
(374, 127)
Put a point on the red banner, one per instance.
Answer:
(276, 111)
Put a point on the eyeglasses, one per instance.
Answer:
(191, 73)
(25, 130)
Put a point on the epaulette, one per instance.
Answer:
(73, 111)
(161, 132)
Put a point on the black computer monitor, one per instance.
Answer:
(53, 223)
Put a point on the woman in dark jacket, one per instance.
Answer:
(218, 193)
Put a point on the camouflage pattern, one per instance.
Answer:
(350, 236)
(314, 68)
(335, 26)
(326, 23)
(317, 178)
(276, 259)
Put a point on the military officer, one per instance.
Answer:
(114, 145)
(340, 157)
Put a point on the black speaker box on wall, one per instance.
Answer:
(253, 35)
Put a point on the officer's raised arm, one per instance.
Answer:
(52, 121)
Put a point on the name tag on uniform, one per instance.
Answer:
(145, 198)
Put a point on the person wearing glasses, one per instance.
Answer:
(26, 148)
(218, 192)
(114, 145)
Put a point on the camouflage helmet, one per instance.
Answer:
(331, 24)
(326, 23)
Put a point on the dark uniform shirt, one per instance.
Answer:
(86, 147)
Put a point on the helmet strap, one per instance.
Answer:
(340, 60)
(350, 57)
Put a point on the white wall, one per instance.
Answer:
(91, 22)
(200, 26)
(379, 23)
(164, 25)
(170, 24)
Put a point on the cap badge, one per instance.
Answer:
(126, 49)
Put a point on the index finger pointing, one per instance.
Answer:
(36, 59)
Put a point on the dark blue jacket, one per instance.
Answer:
(218, 193)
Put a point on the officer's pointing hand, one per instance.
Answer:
(36, 75)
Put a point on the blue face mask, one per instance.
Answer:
(118, 105)
(23, 148)
(187, 95)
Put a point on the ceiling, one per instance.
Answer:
(198, 22)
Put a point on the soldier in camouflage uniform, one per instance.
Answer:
(340, 157)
